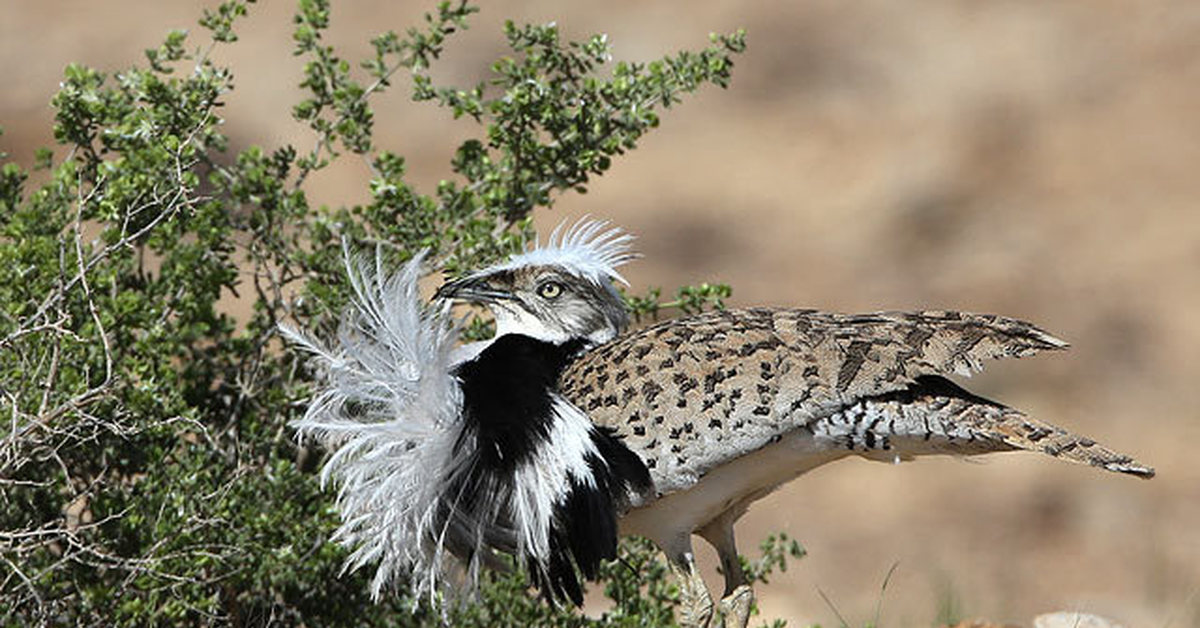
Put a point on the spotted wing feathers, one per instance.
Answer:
(693, 393)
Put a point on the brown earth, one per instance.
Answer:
(1036, 159)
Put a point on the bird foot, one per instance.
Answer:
(695, 604)
(735, 607)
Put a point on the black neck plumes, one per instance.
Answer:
(507, 402)
(510, 410)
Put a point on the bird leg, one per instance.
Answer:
(738, 598)
(735, 607)
(695, 604)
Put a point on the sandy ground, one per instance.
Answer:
(1036, 159)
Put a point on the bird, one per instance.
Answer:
(446, 461)
(726, 406)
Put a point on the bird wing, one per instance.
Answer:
(692, 393)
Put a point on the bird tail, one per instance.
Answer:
(1023, 432)
(935, 416)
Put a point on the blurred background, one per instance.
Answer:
(1034, 159)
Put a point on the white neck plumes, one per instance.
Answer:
(388, 409)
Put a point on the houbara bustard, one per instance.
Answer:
(448, 457)
(726, 406)
(715, 410)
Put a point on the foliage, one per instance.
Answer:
(688, 299)
(776, 549)
(148, 473)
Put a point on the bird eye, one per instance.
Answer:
(550, 290)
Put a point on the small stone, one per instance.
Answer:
(1073, 619)
(980, 623)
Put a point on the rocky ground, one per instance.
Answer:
(1036, 159)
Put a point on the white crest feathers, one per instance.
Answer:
(589, 248)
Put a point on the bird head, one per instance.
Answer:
(562, 291)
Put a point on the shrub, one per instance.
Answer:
(149, 476)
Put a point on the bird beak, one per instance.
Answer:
(473, 289)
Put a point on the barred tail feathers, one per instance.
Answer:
(935, 416)
(1023, 432)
